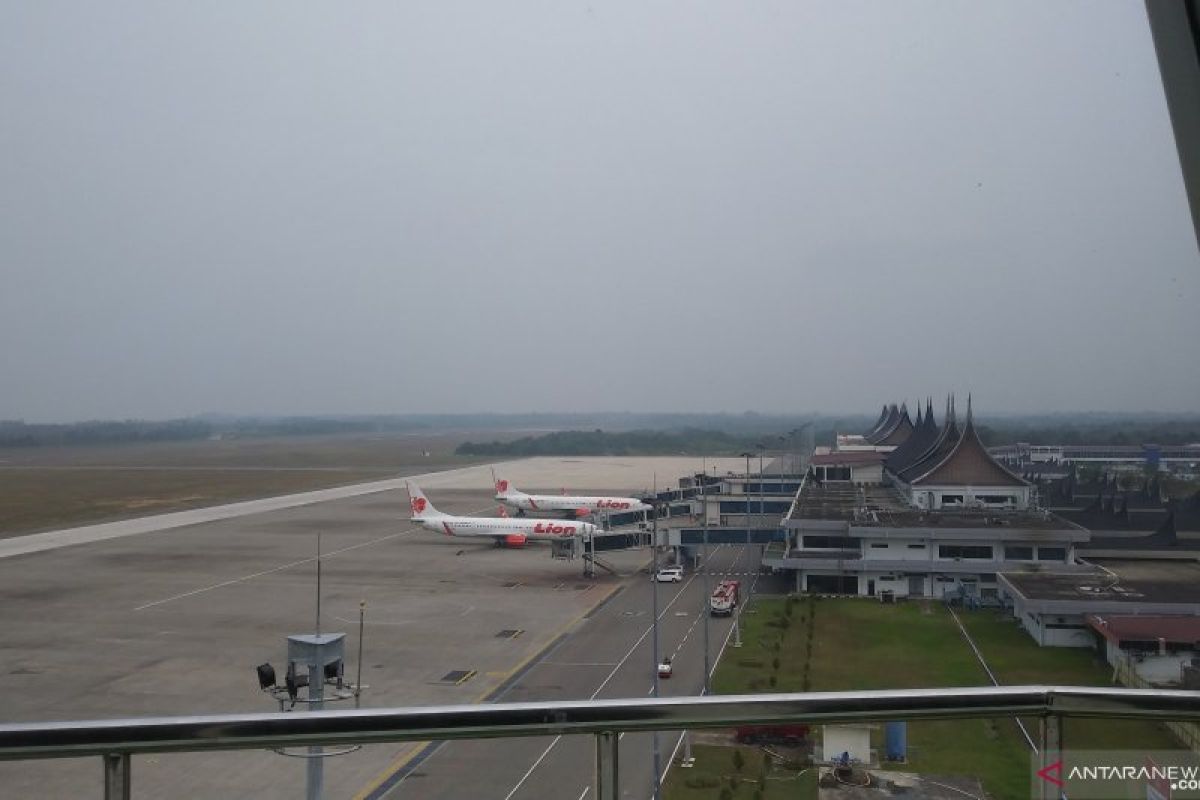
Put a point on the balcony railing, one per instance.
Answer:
(116, 741)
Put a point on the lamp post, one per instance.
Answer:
(761, 491)
(704, 570)
(654, 622)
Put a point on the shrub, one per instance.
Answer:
(739, 760)
(771, 680)
(775, 662)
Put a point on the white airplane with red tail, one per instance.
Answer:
(504, 530)
(580, 506)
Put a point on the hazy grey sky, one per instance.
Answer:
(707, 205)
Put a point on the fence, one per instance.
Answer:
(117, 741)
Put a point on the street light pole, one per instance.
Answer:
(704, 571)
(761, 493)
(654, 623)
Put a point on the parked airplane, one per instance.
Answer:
(504, 530)
(580, 506)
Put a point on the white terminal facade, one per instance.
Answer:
(918, 509)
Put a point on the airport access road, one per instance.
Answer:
(608, 655)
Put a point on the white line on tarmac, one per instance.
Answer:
(600, 688)
(716, 662)
(85, 534)
(308, 560)
(583, 794)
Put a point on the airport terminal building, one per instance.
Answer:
(918, 509)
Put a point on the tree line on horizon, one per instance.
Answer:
(581, 434)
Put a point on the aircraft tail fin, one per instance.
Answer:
(503, 486)
(419, 503)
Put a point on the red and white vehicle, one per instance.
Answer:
(724, 599)
(504, 530)
(578, 505)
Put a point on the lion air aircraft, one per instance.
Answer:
(507, 494)
(504, 530)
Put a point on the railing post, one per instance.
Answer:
(607, 774)
(116, 776)
(1050, 754)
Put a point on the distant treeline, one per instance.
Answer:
(18, 434)
(601, 443)
(623, 433)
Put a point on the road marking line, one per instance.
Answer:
(716, 661)
(583, 794)
(525, 777)
(604, 683)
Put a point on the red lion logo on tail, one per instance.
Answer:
(418, 504)
(502, 486)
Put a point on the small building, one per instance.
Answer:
(1053, 607)
(852, 467)
(1162, 649)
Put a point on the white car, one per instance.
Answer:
(669, 575)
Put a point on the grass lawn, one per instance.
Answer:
(861, 644)
(1016, 660)
(51, 487)
(715, 766)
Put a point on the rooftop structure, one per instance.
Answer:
(1124, 629)
(956, 469)
(943, 517)
(1052, 606)
(895, 430)
(925, 434)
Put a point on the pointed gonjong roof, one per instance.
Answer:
(969, 464)
(937, 449)
(901, 431)
(877, 433)
(925, 434)
(883, 415)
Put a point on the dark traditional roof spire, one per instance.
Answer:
(882, 418)
(901, 432)
(967, 462)
(923, 437)
(889, 425)
(940, 445)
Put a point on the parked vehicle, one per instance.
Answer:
(786, 735)
(669, 574)
(665, 668)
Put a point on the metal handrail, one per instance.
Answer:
(258, 731)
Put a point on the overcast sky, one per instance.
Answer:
(710, 205)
